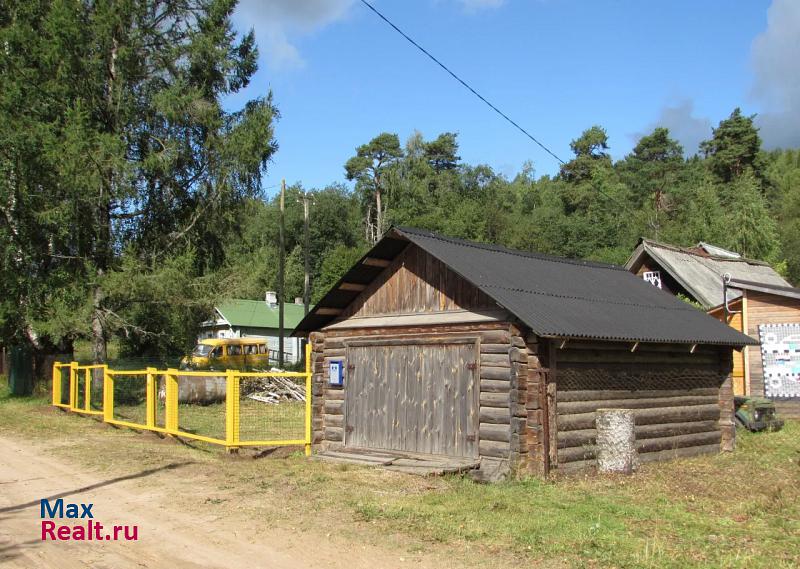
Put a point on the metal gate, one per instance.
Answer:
(414, 397)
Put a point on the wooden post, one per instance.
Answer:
(56, 383)
(108, 395)
(309, 389)
(73, 385)
(232, 423)
(171, 402)
(151, 397)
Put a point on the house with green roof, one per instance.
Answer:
(237, 318)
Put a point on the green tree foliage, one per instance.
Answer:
(118, 157)
(368, 168)
(734, 148)
(130, 199)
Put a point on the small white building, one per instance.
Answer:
(257, 319)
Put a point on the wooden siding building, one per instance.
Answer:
(458, 349)
(758, 305)
(757, 296)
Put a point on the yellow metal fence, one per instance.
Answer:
(231, 408)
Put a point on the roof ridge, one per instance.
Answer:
(688, 251)
(590, 299)
(507, 250)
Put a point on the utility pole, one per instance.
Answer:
(281, 254)
(306, 258)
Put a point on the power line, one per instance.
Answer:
(460, 80)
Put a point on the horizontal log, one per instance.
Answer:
(576, 466)
(588, 395)
(495, 399)
(494, 348)
(493, 449)
(678, 441)
(333, 434)
(491, 432)
(646, 416)
(495, 360)
(646, 446)
(518, 341)
(572, 407)
(518, 355)
(576, 453)
(494, 415)
(588, 436)
(333, 407)
(495, 386)
(333, 394)
(495, 373)
(496, 337)
(333, 420)
(683, 452)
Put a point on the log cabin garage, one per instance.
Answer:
(498, 359)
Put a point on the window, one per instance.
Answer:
(262, 349)
(234, 350)
(216, 352)
(250, 349)
(653, 277)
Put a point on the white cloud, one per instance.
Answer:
(683, 125)
(776, 85)
(278, 22)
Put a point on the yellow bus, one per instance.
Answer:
(230, 353)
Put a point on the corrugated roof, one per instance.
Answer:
(258, 314)
(785, 291)
(552, 295)
(701, 275)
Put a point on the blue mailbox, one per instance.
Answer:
(336, 373)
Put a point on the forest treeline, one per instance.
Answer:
(131, 199)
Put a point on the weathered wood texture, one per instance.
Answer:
(384, 413)
(769, 309)
(414, 398)
(679, 399)
(417, 282)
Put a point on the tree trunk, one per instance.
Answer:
(378, 215)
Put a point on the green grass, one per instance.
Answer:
(257, 421)
(738, 509)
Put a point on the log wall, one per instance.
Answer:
(507, 415)
(683, 401)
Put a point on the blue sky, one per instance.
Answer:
(340, 76)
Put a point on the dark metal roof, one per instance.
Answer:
(555, 297)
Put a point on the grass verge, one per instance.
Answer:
(738, 509)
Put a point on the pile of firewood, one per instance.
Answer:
(275, 390)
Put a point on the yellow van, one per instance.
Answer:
(228, 353)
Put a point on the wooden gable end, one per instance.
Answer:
(416, 282)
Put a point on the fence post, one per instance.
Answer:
(308, 399)
(56, 384)
(73, 385)
(151, 397)
(108, 395)
(171, 401)
(231, 410)
(87, 389)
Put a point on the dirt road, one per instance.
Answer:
(169, 535)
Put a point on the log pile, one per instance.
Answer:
(275, 390)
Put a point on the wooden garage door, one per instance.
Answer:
(415, 398)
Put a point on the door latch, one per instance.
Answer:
(472, 366)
